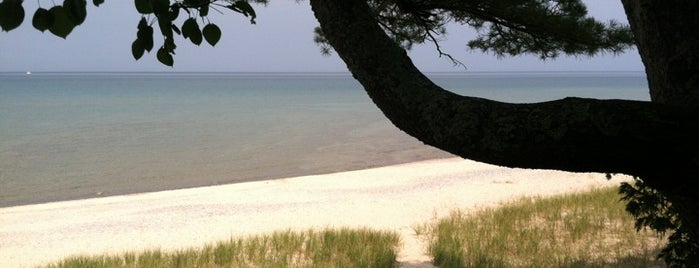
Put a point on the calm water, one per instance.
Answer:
(69, 136)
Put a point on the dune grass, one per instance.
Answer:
(327, 248)
(589, 229)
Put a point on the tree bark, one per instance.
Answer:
(614, 136)
(657, 141)
(667, 37)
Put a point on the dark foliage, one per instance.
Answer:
(546, 28)
(653, 210)
(60, 20)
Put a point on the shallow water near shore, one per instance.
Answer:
(79, 135)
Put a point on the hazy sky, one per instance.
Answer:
(281, 41)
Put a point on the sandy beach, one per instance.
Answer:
(395, 197)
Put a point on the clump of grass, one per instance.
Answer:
(327, 248)
(578, 230)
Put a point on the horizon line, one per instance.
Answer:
(306, 72)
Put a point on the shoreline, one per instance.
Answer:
(393, 197)
(428, 155)
(386, 147)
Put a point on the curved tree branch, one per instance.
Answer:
(574, 134)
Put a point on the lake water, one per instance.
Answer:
(79, 135)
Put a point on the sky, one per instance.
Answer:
(281, 41)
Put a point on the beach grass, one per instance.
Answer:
(326, 248)
(589, 229)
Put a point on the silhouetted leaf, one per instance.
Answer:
(11, 14)
(247, 10)
(190, 29)
(164, 57)
(164, 23)
(97, 2)
(143, 23)
(143, 6)
(62, 24)
(137, 49)
(42, 19)
(169, 45)
(204, 10)
(161, 7)
(212, 34)
(244, 8)
(145, 34)
(174, 11)
(175, 29)
(77, 10)
(187, 27)
(196, 37)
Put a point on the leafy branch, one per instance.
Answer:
(60, 20)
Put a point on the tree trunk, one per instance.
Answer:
(657, 141)
(667, 37)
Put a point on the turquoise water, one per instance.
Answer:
(71, 135)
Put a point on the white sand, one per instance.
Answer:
(388, 198)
